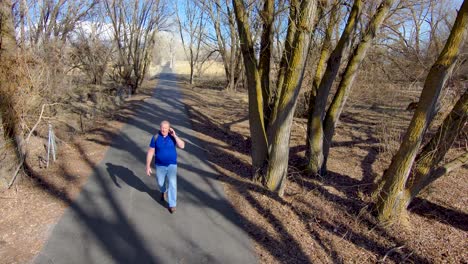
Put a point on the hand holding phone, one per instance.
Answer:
(172, 132)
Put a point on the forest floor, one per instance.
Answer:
(327, 219)
(30, 209)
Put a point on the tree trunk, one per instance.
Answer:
(434, 151)
(22, 24)
(216, 18)
(346, 83)
(264, 66)
(9, 101)
(256, 120)
(392, 200)
(7, 33)
(324, 55)
(192, 66)
(285, 59)
(234, 56)
(239, 72)
(314, 127)
(233, 69)
(281, 128)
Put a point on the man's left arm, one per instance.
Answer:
(179, 142)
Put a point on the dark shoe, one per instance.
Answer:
(172, 210)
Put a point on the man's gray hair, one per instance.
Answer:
(165, 122)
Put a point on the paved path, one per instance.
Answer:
(118, 217)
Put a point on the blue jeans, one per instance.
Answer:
(166, 177)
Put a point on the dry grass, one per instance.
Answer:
(210, 69)
(325, 220)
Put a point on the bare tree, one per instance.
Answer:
(52, 20)
(324, 55)
(192, 31)
(427, 168)
(135, 24)
(10, 111)
(315, 118)
(413, 38)
(222, 18)
(321, 132)
(393, 197)
(45, 29)
(270, 141)
(29, 76)
(344, 87)
(91, 48)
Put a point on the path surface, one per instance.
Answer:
(118, 217)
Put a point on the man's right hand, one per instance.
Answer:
(148, 171)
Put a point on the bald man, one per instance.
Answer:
(163, 148)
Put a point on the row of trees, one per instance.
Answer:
(45, 44)
(278, 41)
(208, 31)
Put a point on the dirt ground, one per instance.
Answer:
(326, 220)
(30, 209)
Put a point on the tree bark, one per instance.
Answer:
(285, 59)
(7, 33)
(9, 101)
(235, 54)
(314, 122)
(256, 118)
(281, 128)
(392, 201)
(346, 83)
(425, 169)
(264, 67)
(324, 55)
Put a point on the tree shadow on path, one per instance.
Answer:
(117, 237)
(124, 174)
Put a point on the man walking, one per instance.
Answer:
(163, 148)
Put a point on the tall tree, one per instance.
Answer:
(227, 41)
(324, 54)
(426, 168)
(256, 117)
(279, 130)
(264, 62)
(270, 139)
(54, 19)
(135, 24)
(314, 139)
(393, 198)
(9, 101)
(91, 52)
(192, 32)
(322, 122)
(347, 80)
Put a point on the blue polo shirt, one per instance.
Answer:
(165, 149)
